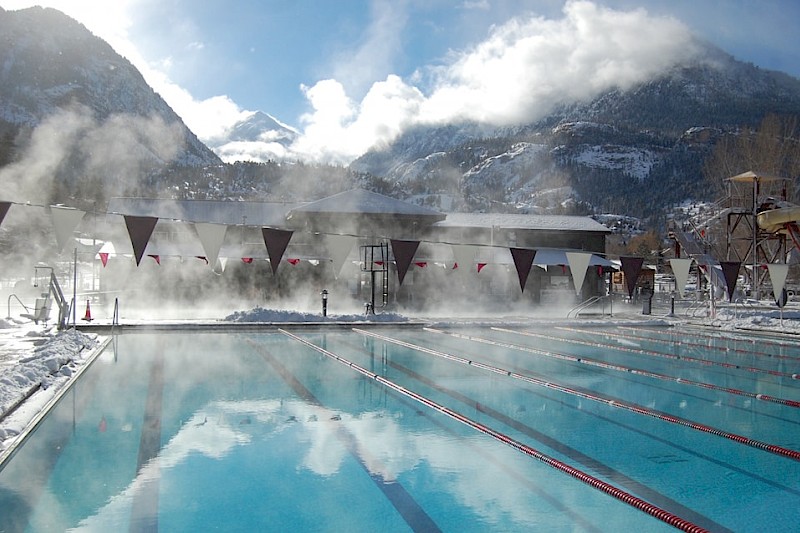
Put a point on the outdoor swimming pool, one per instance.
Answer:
(392, 429)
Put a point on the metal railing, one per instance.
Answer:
(583, 306)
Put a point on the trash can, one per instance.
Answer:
(647, 302)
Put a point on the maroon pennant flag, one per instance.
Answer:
(631, 267)
(523, 261)
(421, 264)
(139, 229)
(201, 258)
(247, 260)
(3, 210)
(293, 262)
(403, 255)
(480, 267)
(276, 240)
(104, 258)
(157, 258)
(730, 269)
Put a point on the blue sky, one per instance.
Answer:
(348, 72)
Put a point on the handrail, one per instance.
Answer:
(63, 307)
(115, 315)
(587, 303)
(20, 302)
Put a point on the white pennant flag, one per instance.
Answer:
(339, 247)
(777, 274)
(680, 267)
(65, 220)
(219, 266)
(578, 263)
(211, 237)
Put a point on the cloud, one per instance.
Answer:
(524, 68)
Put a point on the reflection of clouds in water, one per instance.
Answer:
(213, 439)
(382, 444)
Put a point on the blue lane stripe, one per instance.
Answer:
(144, 511)
(405, 504)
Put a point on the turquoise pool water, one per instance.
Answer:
(412, 429)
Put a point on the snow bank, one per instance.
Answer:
(259, 314)
(36, 376)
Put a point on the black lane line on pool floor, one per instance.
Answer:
(787, 379)
(620, 368)
(626, 377)
(144, 508)
(405, 504)
(596, 483)
(736, 340)
(678, 447)
(711, 364)
(666, 417)
(556, 503)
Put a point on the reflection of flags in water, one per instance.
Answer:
(102, 425)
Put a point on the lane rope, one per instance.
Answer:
(621, 368)
(596, 483)
(621, 404)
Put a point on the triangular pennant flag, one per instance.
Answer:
(276, 241)
(339, 247)
(680, 268)
(631, 268)
(65, 220)
(157, 258)
(523, 261)
(730, 270)
(201, 258)
(421, 264)
(139, 230)
(4, 206)
(777, 275)
(464, 256)
(403, 255)
(578, 263)
(247, 260)
(481, 266)
(211, 237)
(293, 262)
(103, 258)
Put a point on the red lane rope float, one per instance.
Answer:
(783, 401)
(660, 337)
(613, 402)
(705, 347)
(629, 370)
(615, 492)
(664, 355)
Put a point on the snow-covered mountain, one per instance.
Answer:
(258, 137)
(636, 151)
(85, 109)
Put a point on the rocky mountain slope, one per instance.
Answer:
(67, 97)
(634, 152)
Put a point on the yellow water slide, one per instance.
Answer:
(775, 220)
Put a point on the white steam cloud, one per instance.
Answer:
(524, 68)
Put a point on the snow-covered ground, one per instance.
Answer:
(36, 361)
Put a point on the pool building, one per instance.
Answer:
(362, 244)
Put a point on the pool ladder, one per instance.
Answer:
(583, 306)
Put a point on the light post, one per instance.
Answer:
(324, 294)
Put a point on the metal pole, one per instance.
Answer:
(74, 286)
